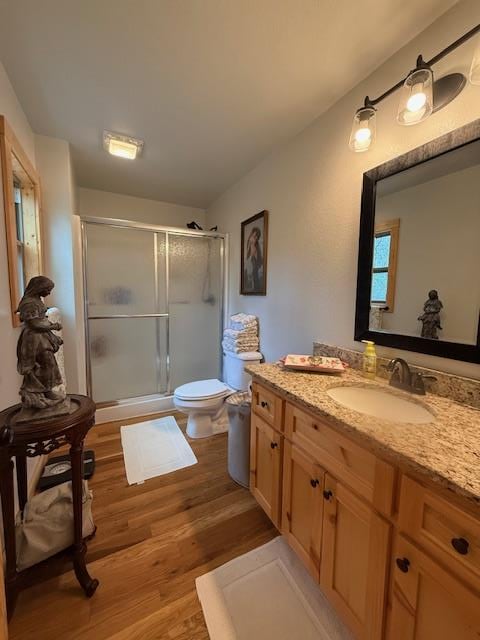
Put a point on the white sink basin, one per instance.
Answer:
(381, 404)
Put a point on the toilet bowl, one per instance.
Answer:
(203, 401)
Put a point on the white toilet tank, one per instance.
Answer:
(234, 368)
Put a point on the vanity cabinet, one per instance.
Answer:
(397, 559)
(266, 456)
(302, 510)
(428, 602)
(354, 559)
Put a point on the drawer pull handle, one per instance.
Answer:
(327, 494)
(460, 545)
(403, 564)
(314, 483)
(264, 405)
(273, 445)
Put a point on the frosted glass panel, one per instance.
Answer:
(195, 308)
(121, 271)
(123, 357)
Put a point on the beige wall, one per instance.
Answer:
(437, 249)
(9, 380)
(312, 188)
(62, 262)
(104, 204)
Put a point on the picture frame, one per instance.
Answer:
(253, 264)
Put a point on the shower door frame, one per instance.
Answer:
(155, 230)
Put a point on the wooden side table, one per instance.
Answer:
(34, 439)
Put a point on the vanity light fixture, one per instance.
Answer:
(122, 146)
(421, 95)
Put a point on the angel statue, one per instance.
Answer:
(36, 360)
(430, 317)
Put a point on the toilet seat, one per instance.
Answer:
(202, 390)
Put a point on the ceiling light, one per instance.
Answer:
(416, 101)
(122, 146)
(363, 129)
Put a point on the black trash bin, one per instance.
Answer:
(239, 405)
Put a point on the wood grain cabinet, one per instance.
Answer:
(341, 506)
(428, 602)
(302, 508)
(266, 451)
(354, 560)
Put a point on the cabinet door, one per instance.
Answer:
(266, 451)
(302, 506)
(354, 560)
(427, 602)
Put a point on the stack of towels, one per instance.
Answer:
(242, 334)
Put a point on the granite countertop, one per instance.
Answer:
(445, 451)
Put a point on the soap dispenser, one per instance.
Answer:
(369, 360)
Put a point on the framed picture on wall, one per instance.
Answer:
(253, 270)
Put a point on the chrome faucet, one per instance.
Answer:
(403, 378)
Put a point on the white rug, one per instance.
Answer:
(154, 448)
(267, 594)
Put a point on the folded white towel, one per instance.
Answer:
(238, 326)
(243, 318)
(235, 334)
(239, 348)
(242, 340)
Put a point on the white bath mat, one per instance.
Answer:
(267, 594)
(154, 448)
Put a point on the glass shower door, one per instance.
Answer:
(127, 312)
(195, 293)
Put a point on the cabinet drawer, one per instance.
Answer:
(447, 532)
(267, 405)
(366, 474)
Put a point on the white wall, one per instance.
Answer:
(9, 380)
(104, 204)
(437, 249)
(312, 187)
(59, 229)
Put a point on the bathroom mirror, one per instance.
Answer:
(418, 284)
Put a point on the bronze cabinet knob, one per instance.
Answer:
(460, 545)
(403, 564)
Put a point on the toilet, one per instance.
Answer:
(203, 401)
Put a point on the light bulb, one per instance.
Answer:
(416, 102)
(363, 134)
(363, 129)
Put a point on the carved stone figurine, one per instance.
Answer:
(430, 318)
(36, 360)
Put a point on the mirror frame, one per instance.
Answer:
(446, 143)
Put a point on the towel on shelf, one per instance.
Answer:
(232, 345)
(235, 334)
(242, 318)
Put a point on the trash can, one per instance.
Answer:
(238, 406)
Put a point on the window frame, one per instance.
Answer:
(392, 228)
(16, 167)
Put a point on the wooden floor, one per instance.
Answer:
(152, 541)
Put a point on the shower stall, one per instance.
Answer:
(153, 307)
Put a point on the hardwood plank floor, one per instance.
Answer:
(152, 541)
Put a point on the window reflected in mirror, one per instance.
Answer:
(426, 256)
